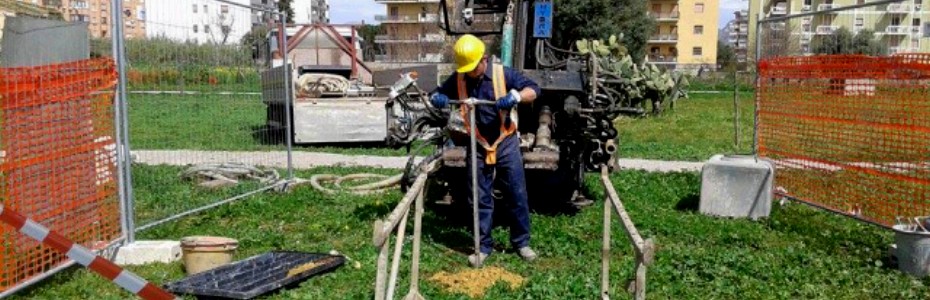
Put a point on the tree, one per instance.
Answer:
(288, 9)
(726, 56)
(842, 41)
(370, 48)
(598, 19)
(223, 24)
(256, 42)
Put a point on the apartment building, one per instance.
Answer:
(738, 35)
(686, 34)
(311, 11)
(97, 14)
(201, 21)
(903, 27)
(410, 31)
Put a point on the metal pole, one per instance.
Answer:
(124, 117)
(288, 130)
(121, 158)
(736, 109)
(474, 181)
(755, 113)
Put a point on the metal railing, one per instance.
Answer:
(660, 38)
(414, 18)
(826, 6)
(664, 16)
(897, 29)
(644, 249)
(898, 8)
(826, 29)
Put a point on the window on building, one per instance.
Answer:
(699, 7)
(224, 9)
(859, 24)
(896, 21)
(860, 1)
(195, 29)
(807, 2)
(81, 4)
(698, 29)
(697, 51)
(103, 20)
(195, 8)
(206, 28)
(657, 8)
(204, 8)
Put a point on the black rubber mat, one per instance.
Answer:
(257, 275)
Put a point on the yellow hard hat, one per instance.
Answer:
(468, 53)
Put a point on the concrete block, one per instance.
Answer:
(145, 252)
(736, 186)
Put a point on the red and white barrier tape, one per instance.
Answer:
(125, 279)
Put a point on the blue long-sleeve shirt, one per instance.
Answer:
(487, 118)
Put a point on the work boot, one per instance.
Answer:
(477, 261)
(527, 253)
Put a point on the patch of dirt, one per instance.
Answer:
(475, 282)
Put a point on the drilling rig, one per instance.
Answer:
(567, 132)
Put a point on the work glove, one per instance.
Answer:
(509, 101)
(439, 100)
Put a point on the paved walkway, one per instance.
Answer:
(305, 160)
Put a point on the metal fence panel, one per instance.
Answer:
(196, 115)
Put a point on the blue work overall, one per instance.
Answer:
(506, 161)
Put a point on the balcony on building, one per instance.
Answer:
(897, 30)
(664, 16)
(662, 59)
(898, 8)
(389, 39)
(778, 26)
(432, 38)
(669, 38)
(779, 9)
(410, 18)
(826, 29)
(826, 6)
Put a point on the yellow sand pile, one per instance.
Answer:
(475, 282)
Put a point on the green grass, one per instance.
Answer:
(214, 122)
(696, 129)
(798, 253)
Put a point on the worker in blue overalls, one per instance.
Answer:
(498, 141)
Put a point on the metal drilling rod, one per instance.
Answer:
(471, 102)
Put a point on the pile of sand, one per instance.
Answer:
(475, 282)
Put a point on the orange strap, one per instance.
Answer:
(500, 89)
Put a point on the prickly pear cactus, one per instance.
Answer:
(630, 84)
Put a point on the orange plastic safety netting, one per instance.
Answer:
(58, 160)
(849, 133)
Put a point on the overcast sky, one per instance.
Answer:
(356, 11)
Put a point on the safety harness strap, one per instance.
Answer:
(500, 89)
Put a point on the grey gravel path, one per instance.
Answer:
(304, 160)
